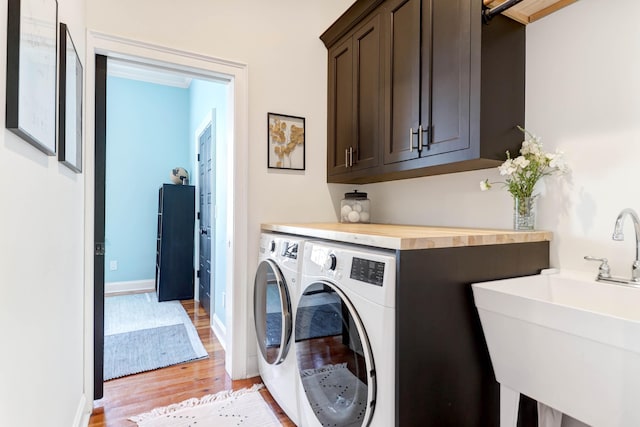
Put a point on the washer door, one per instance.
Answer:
(272, 312)
(334, 357)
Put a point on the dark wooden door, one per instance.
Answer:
(403, 77)
(98, 230)
(205, 194)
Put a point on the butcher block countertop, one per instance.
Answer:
(407, 237)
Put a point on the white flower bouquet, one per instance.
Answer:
(522, 173)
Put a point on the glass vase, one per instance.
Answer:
(524, 215)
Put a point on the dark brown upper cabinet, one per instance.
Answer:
(441, 92)
(434, 119)
(356, 94)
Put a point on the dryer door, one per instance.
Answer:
(334, 357)
(272, 312)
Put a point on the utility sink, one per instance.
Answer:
(567, 341)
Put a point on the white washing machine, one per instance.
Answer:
(276, 288)
(345, 336)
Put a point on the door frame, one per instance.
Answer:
(201, 66)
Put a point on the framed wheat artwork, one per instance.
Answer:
(286, 142)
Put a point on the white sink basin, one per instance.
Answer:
(567, 341)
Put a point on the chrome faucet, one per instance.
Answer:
(617, 235)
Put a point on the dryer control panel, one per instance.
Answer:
(290, 249)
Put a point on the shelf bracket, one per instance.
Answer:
(488, 13)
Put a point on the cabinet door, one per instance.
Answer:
(355, 100)
(403, 79)
(446, 98)
(340, 130)
(368, 93)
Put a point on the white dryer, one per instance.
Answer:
(276, 288)
(345, 336)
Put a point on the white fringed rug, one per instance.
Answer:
(230, 408)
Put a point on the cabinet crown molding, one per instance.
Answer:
(348, 20)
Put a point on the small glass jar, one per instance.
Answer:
(355, 208)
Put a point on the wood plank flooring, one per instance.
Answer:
(135, 394)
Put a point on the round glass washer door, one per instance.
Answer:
(272, 312)
(334, 357)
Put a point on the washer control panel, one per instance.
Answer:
(368, 271)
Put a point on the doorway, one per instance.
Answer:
(235, 75)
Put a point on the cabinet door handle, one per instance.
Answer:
(420, 138)
(350, 156)
(346, 157)
(411, 140)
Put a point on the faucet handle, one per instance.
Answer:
(604, 271)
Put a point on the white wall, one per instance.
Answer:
(583, 95)
(41, 270)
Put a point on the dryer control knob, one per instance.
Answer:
(272, 246)
(330, 262)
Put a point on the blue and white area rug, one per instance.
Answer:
(142, 334)
(244, 408)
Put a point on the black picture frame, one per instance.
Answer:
(32, 29)
(69, 103)
(285, 142)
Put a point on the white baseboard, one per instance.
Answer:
(114, 288)
(81, 419)
(252, 366)
(220, 330)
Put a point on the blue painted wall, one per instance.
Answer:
(206, 96)
(147, 136)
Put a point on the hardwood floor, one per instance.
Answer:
(135, 394)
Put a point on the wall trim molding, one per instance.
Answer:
(131, 286)
(81, 418)
(104, 41)
(130, 71)
(220, 330)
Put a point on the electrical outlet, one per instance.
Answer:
(113, 265)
